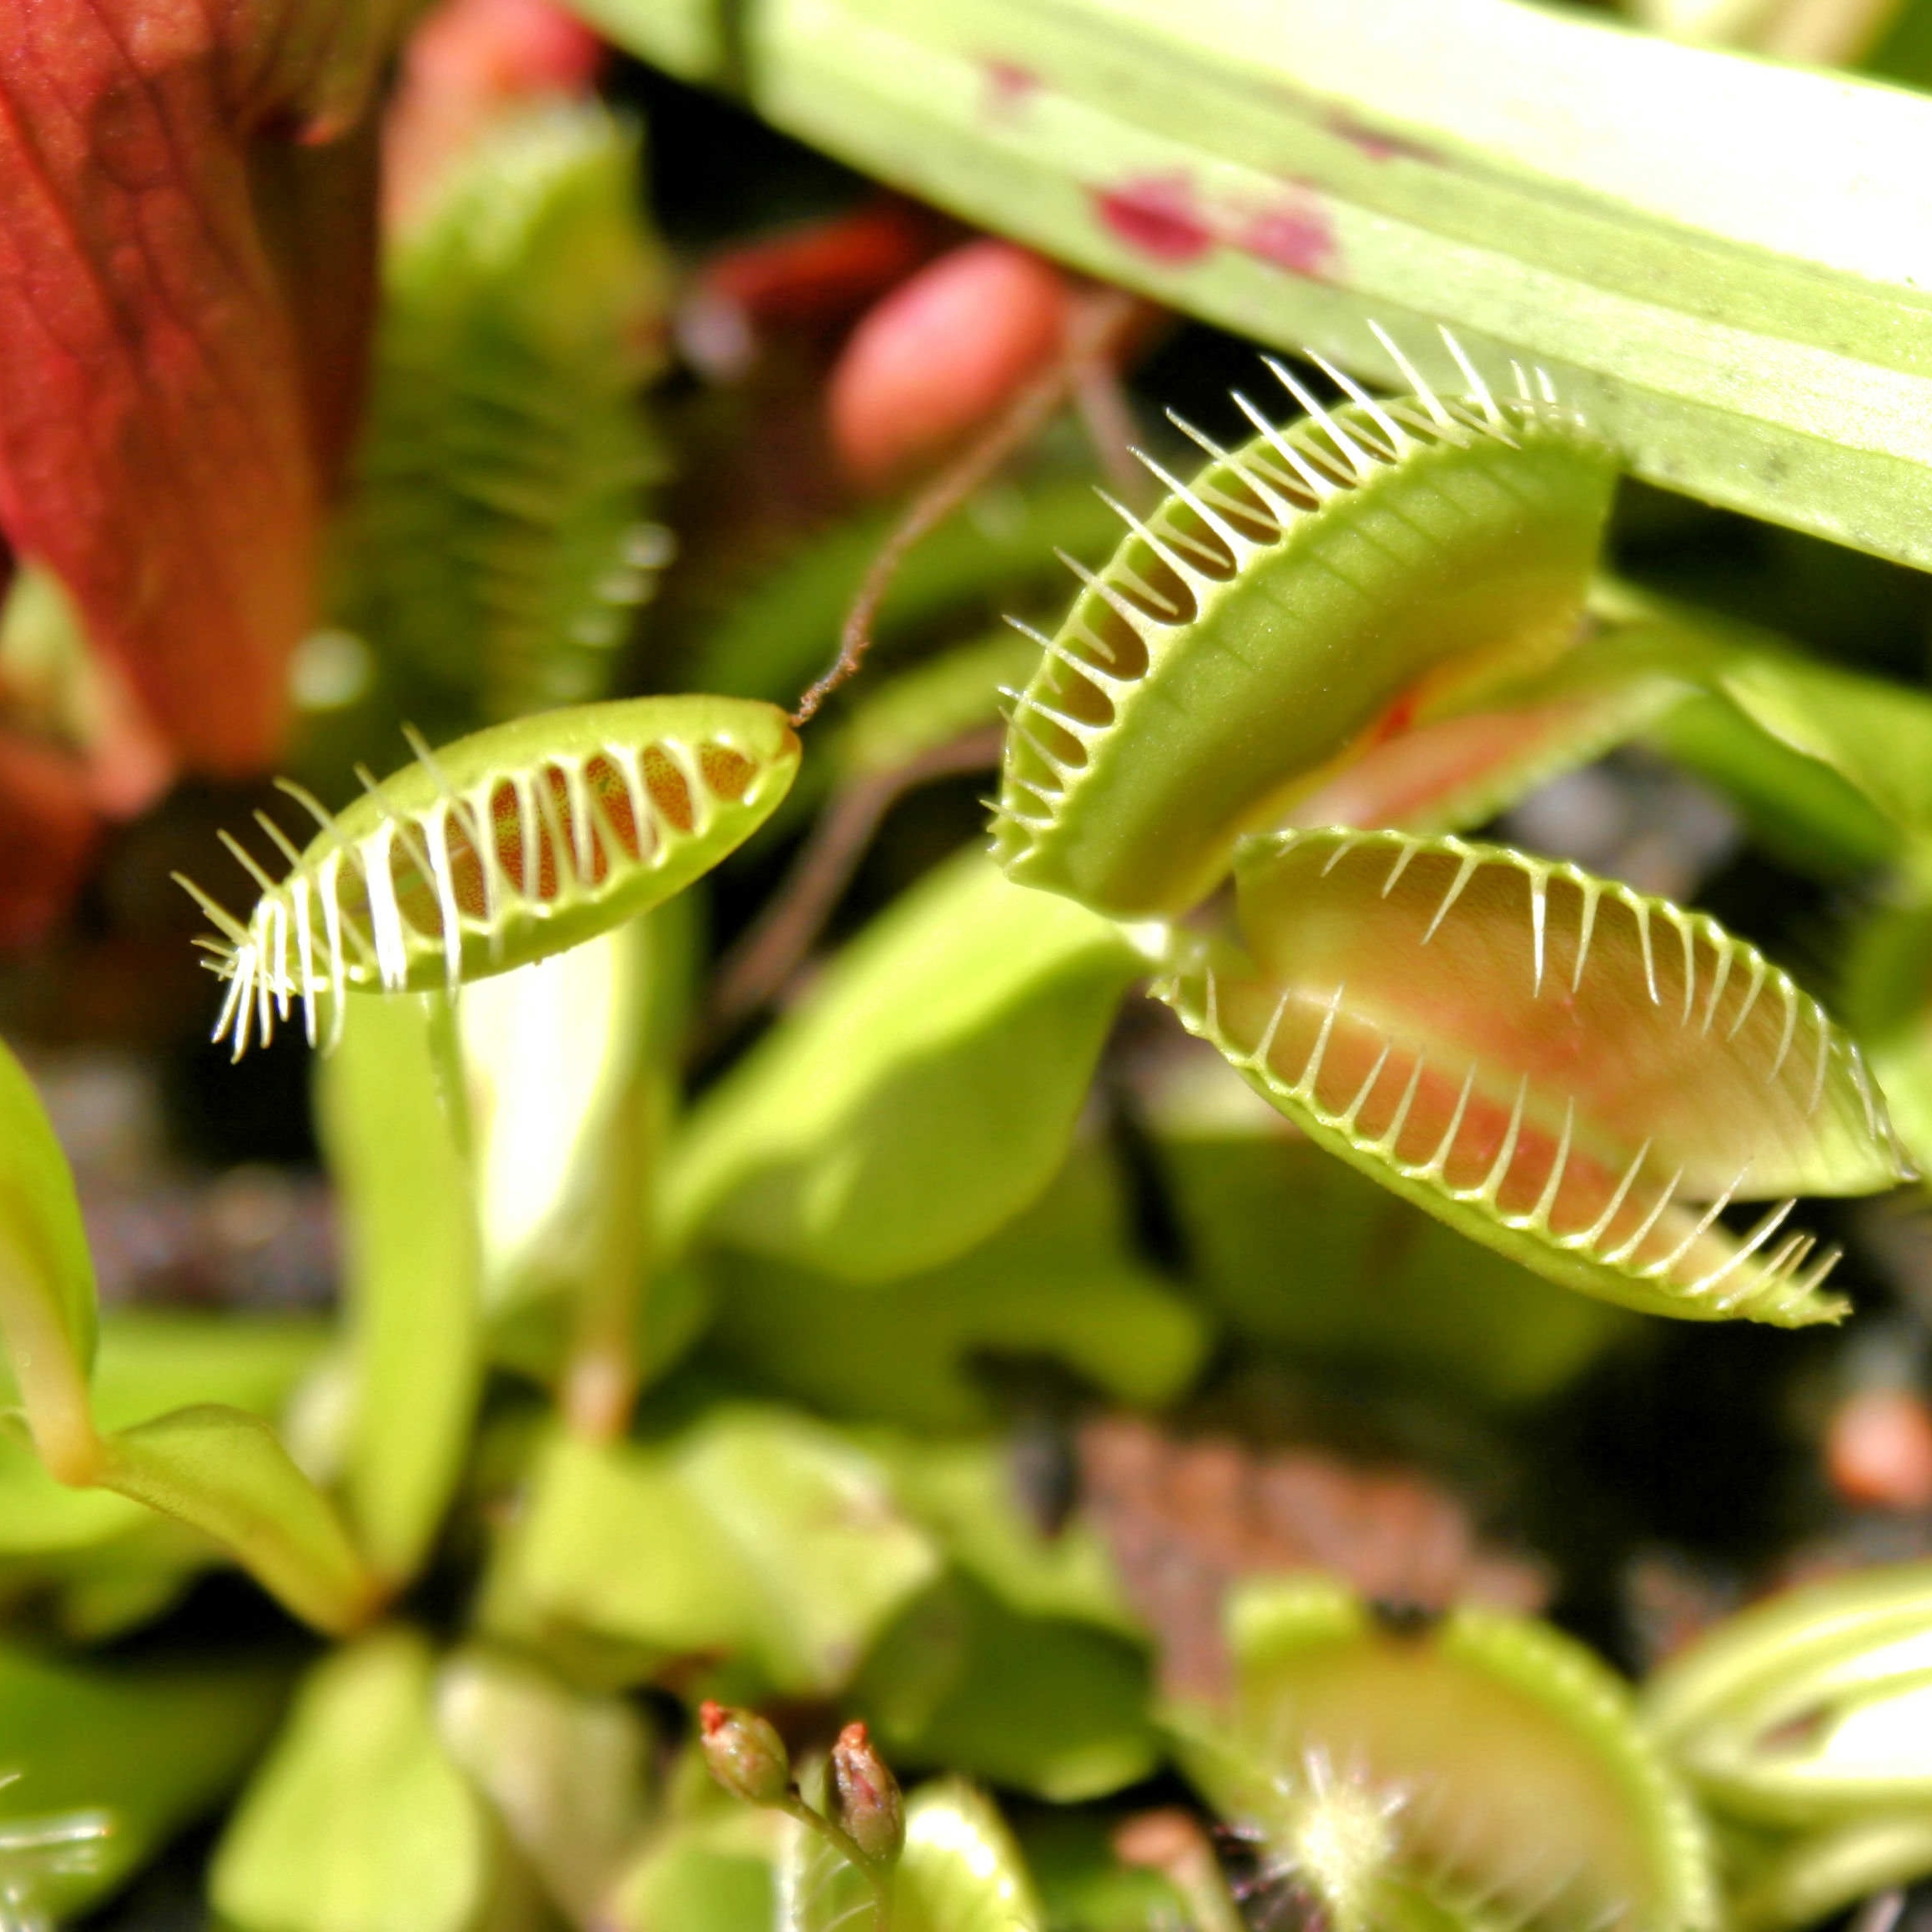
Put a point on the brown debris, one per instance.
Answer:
(1185, 1520)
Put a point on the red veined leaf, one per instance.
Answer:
(161, 446)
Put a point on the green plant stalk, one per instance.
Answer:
(601, 1383)
(52, 1383)
(1722, 263)
(877, 1876)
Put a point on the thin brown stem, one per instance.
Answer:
(769, 952)
(1099, 321)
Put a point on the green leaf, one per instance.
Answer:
(1887, 971)
(1813, 1877)
(1422, 1008)
(46, 1280)
(571, 1067)
(494, 548)
(1720, 262)
(756, 1532)
(566, 1773)
(225, 1473)
(1053, 1707)
(1873, 733)
(904, 1350)
(411, 1266)
(358, 1822)
(97, 1562)
(152, 1748)
(710, 1866)
(924, 1093)
(1488, 1764)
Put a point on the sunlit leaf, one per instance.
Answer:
(960, 1872)
(99, 1560)
(710, 1866)
(47, 1315)
(411, 1268)
(1487, 1766)
(925, 1094)
(1812, 1706)
(1577, 1076)
(1721, 261)
(570, 1067)
(358, 1822)
(152, 1747)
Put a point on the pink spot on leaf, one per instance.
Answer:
(1295, 235)
(1156, 214)
(1009, 87)
(1379, 144)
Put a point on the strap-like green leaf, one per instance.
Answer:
(46, 1280)
(1722, 262)
(390, 1116)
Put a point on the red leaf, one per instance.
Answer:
(47, 833)
(160, 438)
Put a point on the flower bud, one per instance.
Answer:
(866, 1796)
(746, 1756)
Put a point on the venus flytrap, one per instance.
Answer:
(1485, 1771)
(505, 847)
(1802, 1722)
(1379, 560)
(1442, 1014)
(1374, 616)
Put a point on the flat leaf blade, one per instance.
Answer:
(925, 1094)
(413, 1268)
(224, 1472)
(1686, 273)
